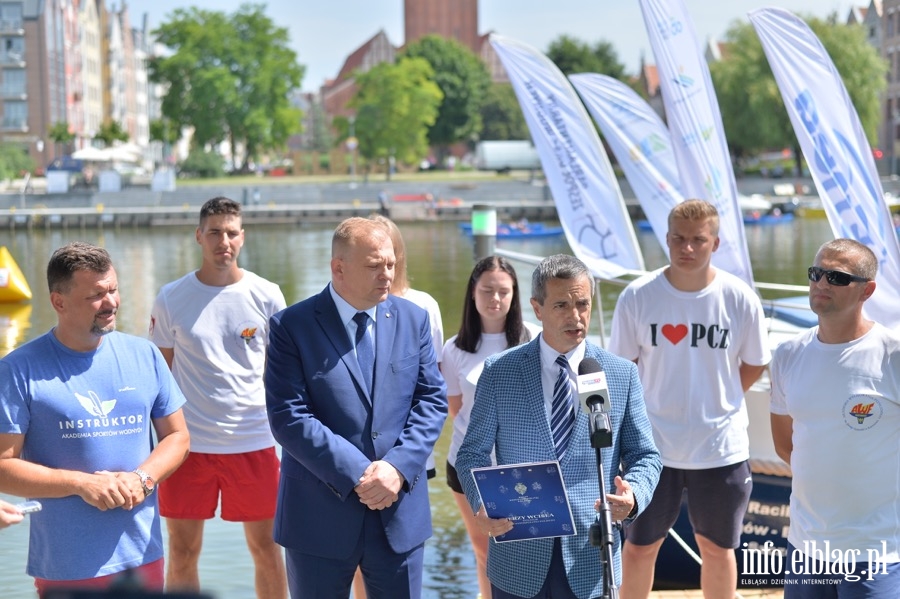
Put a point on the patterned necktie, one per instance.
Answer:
(562, 418)
(365, 350)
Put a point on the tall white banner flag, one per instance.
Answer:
(641, 143)
(834, 143)
(695, 122)
(588, 199)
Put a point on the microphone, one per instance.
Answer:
(593, 395)
(593, 392)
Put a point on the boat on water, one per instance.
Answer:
(519, 231)
(13, 285)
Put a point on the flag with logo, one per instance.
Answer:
(832, 138)
(587, 195)
(641, 143)
(695, 123)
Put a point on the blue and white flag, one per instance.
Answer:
(641, 143)
(834, 143)
(588, 199)
(695, 123)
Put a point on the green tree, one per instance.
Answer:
(463, 80)
(14, 161)
(111, 131)
(752, 108)
(501, 114)
(164, 130)
(572, 55)
(395, 105)
(60, 135)
(229, 77)
(201, 163)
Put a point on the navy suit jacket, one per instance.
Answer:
(331, 429)
(509, 414)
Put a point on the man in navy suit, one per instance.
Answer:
(355, 399)
(515, 414)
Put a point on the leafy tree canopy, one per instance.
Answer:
(395, 105)
(462, 79)
(752, 108)
(59, 133)
(14, 161)
(501, 114)
(229, 78)
(111, 131)
(572, 55)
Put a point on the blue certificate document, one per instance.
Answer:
(531, 495)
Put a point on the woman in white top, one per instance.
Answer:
(491, 323)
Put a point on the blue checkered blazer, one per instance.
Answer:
(509, 413)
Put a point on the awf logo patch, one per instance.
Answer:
(249, 335)
(862, 412)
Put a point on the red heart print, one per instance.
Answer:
(674, 333)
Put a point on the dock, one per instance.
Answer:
(298, 214)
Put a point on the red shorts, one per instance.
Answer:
(151, 577)
(248, 483)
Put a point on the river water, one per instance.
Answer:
(440, 260)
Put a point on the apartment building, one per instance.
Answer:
(75, 62)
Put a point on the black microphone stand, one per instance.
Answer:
(601, 533)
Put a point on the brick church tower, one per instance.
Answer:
(455, 19)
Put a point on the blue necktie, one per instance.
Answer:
(365, 349)
(562, 418)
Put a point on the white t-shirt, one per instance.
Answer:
(689, 347)
(430, 305)
(219, 337)
(461, 371)
(844, 399)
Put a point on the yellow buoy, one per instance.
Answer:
(13, 286)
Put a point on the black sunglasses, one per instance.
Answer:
(834, 277)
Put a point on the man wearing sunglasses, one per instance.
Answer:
(836, 420)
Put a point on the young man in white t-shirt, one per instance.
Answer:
(212, 328)
(836, 420)
(697, 335)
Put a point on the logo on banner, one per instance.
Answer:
(672, 28)
(683, 80)
(652, 144)
(854, 221)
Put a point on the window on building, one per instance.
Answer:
(10, 15)
(14, 82)
(13, 49)
(15, 115)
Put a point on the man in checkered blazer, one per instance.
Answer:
(511, 416)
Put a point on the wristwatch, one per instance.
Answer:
(147, 482)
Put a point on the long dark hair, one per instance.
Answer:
(470, 330)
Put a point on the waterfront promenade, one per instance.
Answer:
(295, 201)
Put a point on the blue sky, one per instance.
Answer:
(324, 32)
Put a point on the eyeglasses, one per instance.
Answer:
(834, 277)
